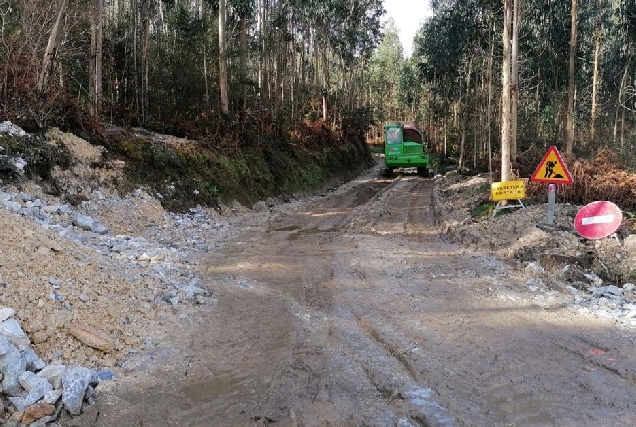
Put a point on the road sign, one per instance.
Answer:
(598, 219)
(507, 190)
(552, 169)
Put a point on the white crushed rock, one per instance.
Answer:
(121, 267)
(554, 257)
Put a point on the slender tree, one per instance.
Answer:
(595, 75)
(52, 48)
(505, 93)
(95, 66)
(223, 80)
(569, 122)
(514, 79)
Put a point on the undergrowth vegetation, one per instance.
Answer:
(246, 163)
(602, 176)
(40, 157)
(216, 159)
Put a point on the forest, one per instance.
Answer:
(561, 70)
(493, 82)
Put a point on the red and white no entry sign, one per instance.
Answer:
(598, 219)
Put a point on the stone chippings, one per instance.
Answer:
(554, 256)
(33, 390)
(609, 302)
(89, 292)
(162, 259)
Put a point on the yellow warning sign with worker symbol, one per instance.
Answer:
(552, 169)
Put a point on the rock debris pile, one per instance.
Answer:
(38, 391)
(555, 257)
(91, 291)
(610, 302)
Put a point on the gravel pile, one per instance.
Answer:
(592, 275)
(92, 291)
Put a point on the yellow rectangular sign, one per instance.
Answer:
(507, 190)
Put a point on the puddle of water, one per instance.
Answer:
(208, 390)
(422, 397)
(244, 284)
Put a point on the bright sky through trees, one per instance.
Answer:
(408, 15)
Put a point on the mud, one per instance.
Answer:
(352, 309)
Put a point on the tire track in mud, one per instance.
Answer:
(502, 397)
(349, 310)
(351, 345)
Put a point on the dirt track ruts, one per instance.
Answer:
(351, 309)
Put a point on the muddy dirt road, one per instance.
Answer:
(350, 309)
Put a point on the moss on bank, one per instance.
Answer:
(183, 173)
(188, 177)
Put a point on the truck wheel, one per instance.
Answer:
(423, 172)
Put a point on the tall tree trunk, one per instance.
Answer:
(621, 104)
(595, 77)
(505, 95)
(205, 75)
(491, 91)
(514, 79)
(51, 48)
(537, 102)
(464, 108)
(223, 84)
(261, 56)
(145, 58)
(95, 65)
(243, 57)
(135, 9)
(569, 119)
(325, 82)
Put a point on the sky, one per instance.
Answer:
(408, 15)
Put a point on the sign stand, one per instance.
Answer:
(498, 207)
(507, 190)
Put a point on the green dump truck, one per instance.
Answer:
(404, 147)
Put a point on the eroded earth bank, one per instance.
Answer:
(351, 309)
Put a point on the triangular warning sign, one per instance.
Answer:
(552, 169)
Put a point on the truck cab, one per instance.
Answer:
(404, 147)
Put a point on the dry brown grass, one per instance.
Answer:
(602, 178)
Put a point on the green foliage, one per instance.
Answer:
(435, 161)
(41, 157)
(377, 148)
(385, 70)
(484, 209)
(197, 173)
(133, 148)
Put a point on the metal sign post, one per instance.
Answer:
(552, 170)
(551, 203)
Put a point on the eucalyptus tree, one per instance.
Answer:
(384, 75)
(598, 36)
(505, 97)
(50, 53)
(225, 103)
(446, 49)
(619, 66)
(166, 61)
(569, 123)
(96, 55)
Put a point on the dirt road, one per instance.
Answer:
(350, 309)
